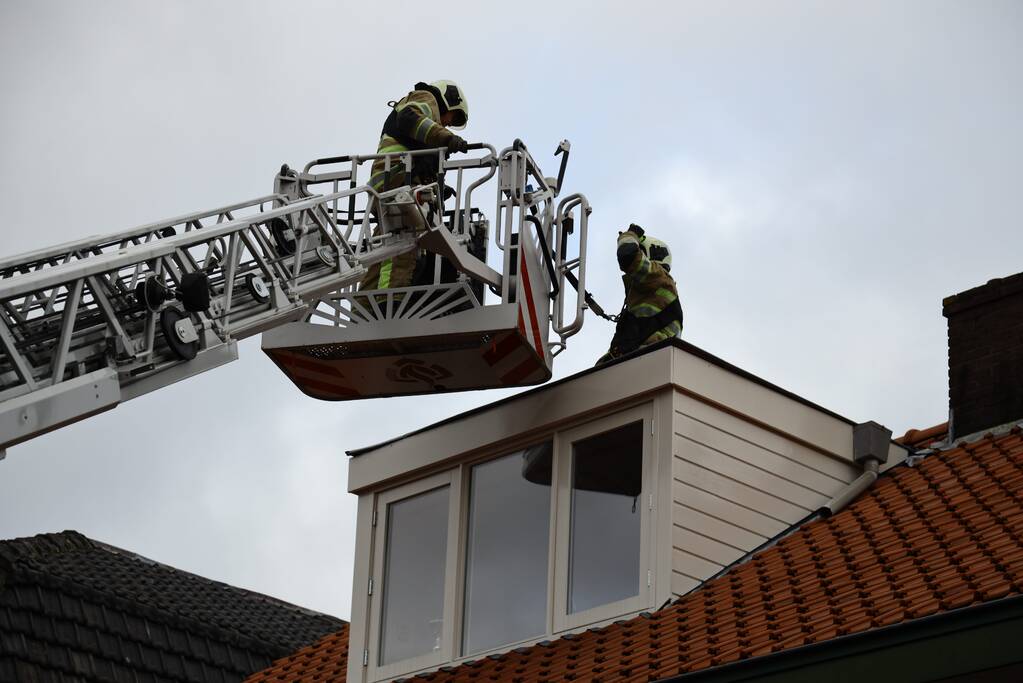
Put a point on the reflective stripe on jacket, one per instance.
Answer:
(418, 120)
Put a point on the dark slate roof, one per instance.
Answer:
(74, 609)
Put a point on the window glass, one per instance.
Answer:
(413, 590)
(604, 561)
(506, 551)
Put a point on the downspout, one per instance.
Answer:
(870, 450)
(853, 490)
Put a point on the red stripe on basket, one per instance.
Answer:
(500, 349)
(325, 387)
(297, 361)
(532, 307)
(317, 376)
(520, 371)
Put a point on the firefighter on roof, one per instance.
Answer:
(652, 311)
(420, 120)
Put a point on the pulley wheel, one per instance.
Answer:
(151, 293)
(257, 288)
(179, 332)
(326, 256)
(284, 236)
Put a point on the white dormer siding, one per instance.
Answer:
(577, 503)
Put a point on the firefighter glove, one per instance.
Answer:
(457, 144)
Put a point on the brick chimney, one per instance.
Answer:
(985, 355)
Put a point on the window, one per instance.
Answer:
(605, 530)
(602, 555)
(412, 616)
(413, 585)
(506, 549)
(514, 548)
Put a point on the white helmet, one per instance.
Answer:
(454, 100)
(658, 252)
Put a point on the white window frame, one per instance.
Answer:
(558, 620)
(451, 480)
(563, 619)
(463, 547)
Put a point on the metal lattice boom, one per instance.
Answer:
(89, 324)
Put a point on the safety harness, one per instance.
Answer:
(424, 167)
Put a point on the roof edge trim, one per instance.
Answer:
(674, 342)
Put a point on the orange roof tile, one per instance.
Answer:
(921, 438)
(943, 534)
(324, 660)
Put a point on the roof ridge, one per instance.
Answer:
(71, 563)
(157, 612)
(19, 553)
(246, 592)
(44, 545)
(915, 437)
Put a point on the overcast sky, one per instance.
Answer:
(824, 172)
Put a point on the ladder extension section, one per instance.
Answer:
(89, 324)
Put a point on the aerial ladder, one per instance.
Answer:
(89, 324)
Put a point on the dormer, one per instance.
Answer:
(582, 502)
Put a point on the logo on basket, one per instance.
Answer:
(412, 370)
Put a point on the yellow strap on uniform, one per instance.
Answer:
(385, 274)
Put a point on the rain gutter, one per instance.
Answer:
(994, 627)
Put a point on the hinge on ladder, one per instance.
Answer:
(365, 657)
(370, 592)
